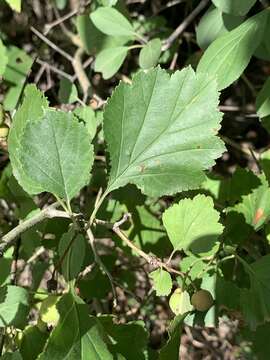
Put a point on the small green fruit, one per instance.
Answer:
(202, 300)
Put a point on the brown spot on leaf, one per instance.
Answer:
(259, 214)
(199, 147)
(142, 168)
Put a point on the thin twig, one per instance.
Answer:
(152, 260)
(181, 28)
(79, 71)
(48, 213)
(51, 44)
(56, 70)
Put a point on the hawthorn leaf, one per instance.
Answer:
(180, 302)
(109, 61)
(3, 58)
(162, 282)
(88, 116)
(111, 22)
(57, 154)
(171, 349)
(192, 225)
(77, 335)
(73, 247)
(235, 7)
(13, 306)
(15, 4)
(150, 54)
(68, 93)
(30, 111)
(254, 301)
(220, 57)
(255, 206)
(213, 24)
(161, 131)
(263, 100)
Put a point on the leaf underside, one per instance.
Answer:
(161, 131)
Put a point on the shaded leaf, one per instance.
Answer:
(109, 61)
(192, 225)
(88, 116)
(32, 342)
(13, 306)
(67, 92)
(219, 58)
(150, 54)
(235, 7)
(162, 146)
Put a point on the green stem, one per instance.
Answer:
(97, 206)
(135, 47)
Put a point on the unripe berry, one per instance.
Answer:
(202, 300)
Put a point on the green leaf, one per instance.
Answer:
(192, 225)
(56, 154)
(13, 306)
(14, 4)
(150, 54)
(263, 100)
(3, 58)
(235, 7)
(111, 22)
(32, 342)
(29, 112)
(109, 61)
(171, 349)
(213, 24)
(240, 44)
(67, 92)
(88, 116)
(72, 249)
(157, 133)
(180, 302)
(61, 4)
(254, 302)
(256, 206)
(77, 335)
(162, 282)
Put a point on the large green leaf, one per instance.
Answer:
(77, 335)
(161, 131)
(109, 61)
(192, 224)
(235, 7)
(111, 22)
(29, 112)
(3, 58)
(228, 56)
(213, 24)
(56, 153)
(13, 306)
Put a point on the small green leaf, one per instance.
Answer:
(162, 282)
(263, 100)
(235, 7)
(56, 155)
(109, 61)
(67, 92)
(150, 54)
(162, 146)
(213, 24)
(15, 4)
(111, 22)
(180, 302)
(48, 312)
(192, 225)
(13, 306)
(240, 43)
(88, 116)
(72, 249)
(3, 58)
